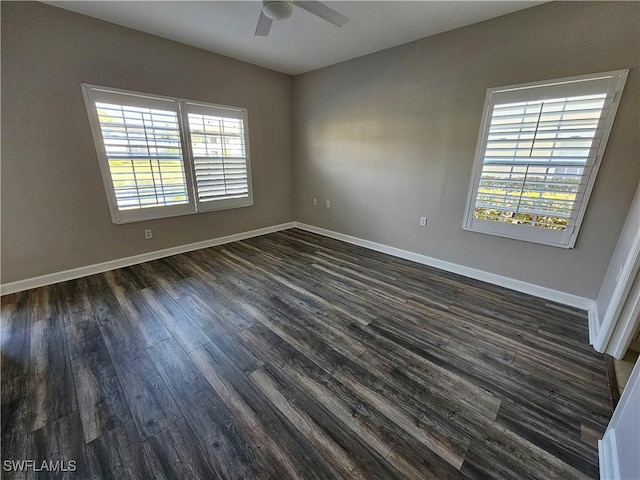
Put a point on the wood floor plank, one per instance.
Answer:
(101, 401)
(495, 457)
(103, 301)
(60, 441)
(586, 394)
(293, 455)
(163, 275)
(148, 398)
(72, 301)
(14, 437)
(215, 298)
(51, 389)
(175, 454)
(14, 318)
(118, 455)
(148, 327)
(224, 335)
(376, 427)
(186, 332)
(232, 450)
(561, 440)
(590, 434)
(343, 455)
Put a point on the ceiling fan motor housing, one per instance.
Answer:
(277, 9)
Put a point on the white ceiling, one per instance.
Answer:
(301, 43)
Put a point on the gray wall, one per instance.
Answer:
(54, 211)
(390, 137)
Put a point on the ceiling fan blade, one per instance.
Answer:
(264, 25)
(323, 11)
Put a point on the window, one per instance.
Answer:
(162, 156)
(539, 149)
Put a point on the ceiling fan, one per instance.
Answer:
(282, 9)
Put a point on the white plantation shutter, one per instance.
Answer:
(219, 149)
(161, 156)
(143, 149)
(538, 153)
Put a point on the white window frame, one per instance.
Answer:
(182, 107)
(571, 86)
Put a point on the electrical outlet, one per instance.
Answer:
(423, 221)
(315, 201)
(328, 203)
(148, 234)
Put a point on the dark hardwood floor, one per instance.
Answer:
(296, 356)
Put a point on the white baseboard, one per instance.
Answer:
(65, 275)
(608, 457)
(518, 285)
(593, 323)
